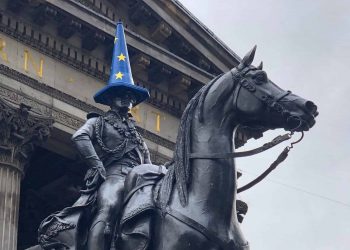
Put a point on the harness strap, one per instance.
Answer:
(211, 236)
(282, 95)
(132, 191)
(279, 139)
(283, 155)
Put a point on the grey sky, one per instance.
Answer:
(305, 46)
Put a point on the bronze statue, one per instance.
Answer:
(110, 146)
(190, 203)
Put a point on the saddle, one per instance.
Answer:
(135, 227)
(139, 206)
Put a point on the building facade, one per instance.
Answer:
(55, 54)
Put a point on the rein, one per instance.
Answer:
(279, 139)
(281, 157)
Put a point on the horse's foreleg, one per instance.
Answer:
(172, 234)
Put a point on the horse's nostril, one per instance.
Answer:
(311, 107)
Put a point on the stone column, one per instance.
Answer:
(20, 133)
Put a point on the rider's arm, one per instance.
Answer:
(146, 155)
(82, 139)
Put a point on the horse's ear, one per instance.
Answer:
(248, 59)
(260, 67)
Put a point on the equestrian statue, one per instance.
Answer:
(189, 203)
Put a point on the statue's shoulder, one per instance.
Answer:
(92, 115)
(91, 119)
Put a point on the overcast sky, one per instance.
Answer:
(305, 46)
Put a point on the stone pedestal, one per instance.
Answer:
(20, 133)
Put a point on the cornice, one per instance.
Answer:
(231, 56)
(85, 68)
(84, 13)
(224, 53)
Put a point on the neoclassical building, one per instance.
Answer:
(55, 54)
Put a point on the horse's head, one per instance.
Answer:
(260, 102)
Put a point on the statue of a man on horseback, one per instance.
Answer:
(110, 146)
(192, 204)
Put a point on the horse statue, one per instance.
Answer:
(191, 203)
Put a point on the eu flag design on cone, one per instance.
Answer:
(120, 80)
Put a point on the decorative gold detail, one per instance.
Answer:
(158, 119)
(38, 68)
(2, 52)
(121, 57)
(119, 75)
(135, 112)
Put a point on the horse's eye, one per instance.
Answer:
(260, 78)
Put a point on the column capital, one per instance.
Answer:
(20, 132)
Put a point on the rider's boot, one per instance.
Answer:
(101, 233)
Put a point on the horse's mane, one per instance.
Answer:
(179, 168)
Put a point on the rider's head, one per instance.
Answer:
(122, 102)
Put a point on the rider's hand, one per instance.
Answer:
(102, 172)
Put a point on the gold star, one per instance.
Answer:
(119, 75)
(121, 57)
(115, 39)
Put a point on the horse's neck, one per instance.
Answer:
(213, 182)
(211, 194)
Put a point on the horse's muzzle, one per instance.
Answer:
(303, 117)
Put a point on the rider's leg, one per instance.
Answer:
(109, 204)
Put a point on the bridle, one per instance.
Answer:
(272, 103)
